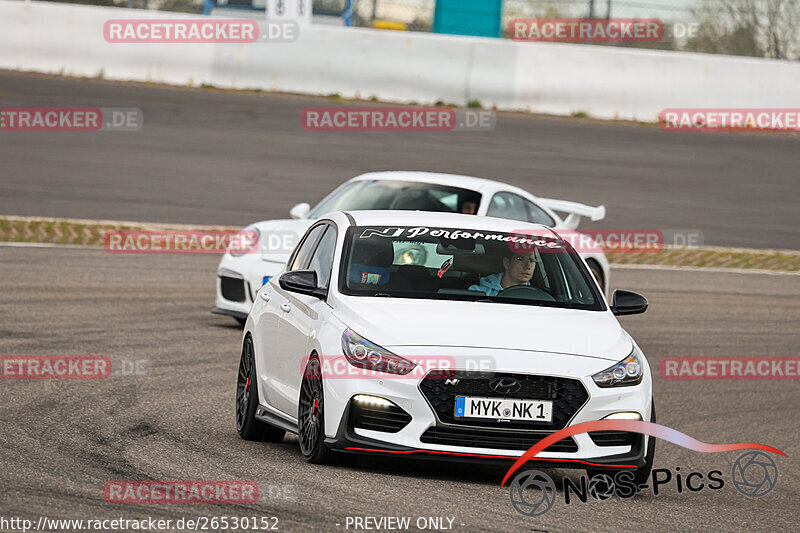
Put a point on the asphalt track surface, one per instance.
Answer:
(214, 157)
(61, 441)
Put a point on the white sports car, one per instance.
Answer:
(240, 274)
(498, 338)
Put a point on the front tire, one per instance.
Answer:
(311, 415)
(248, 427)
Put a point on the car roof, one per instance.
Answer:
(442, 220)
(451, 180)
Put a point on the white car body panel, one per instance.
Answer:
(441, 323)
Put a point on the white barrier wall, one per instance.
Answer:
(604, 82)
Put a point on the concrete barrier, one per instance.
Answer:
(561, 79)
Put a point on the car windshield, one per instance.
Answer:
(435, 263)
(390, 195)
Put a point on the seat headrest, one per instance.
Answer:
(376, 251)
(370, 262)
(480, 264)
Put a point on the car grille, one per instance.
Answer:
(613, 438)
(440, 388)
(389, 419)
(486, 438)
(232, 289)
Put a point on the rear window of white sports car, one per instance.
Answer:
(394, 195)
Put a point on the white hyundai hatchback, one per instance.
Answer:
(500, 338)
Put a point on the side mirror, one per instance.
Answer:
(627, 303)
(300, 211)
(302, 282)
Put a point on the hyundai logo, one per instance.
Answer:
(505, 385)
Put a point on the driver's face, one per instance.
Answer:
(519, 267)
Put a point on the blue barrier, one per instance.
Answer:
(469, 17)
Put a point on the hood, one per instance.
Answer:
(406, 322)
(279, 237)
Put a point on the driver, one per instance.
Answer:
(468, 204)
(518, 270)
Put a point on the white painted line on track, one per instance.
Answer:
(615, 266)
(50, 245)
(704, 269)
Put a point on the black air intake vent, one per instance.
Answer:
(500, 440)
(232, 289)
(377, 417)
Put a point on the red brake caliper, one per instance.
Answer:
(315, 406)
(247, 385)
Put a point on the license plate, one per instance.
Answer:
(503, 408)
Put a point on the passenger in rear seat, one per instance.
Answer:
(517, 270)
(468, 205)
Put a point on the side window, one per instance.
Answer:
(537, 215)
(340, 196)
(322, 260)
(307, 247)
(448, 199)
(514, 207)
(508, 205)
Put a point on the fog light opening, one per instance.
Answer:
(626, 415)
(372, 400)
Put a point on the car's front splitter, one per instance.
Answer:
(229, 312)
(348, 441)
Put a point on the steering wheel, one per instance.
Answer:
(527, 292)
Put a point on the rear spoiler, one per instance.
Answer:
(574, 210)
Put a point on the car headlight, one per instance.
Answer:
(362, 353)
(244, 242)
(626, 373)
